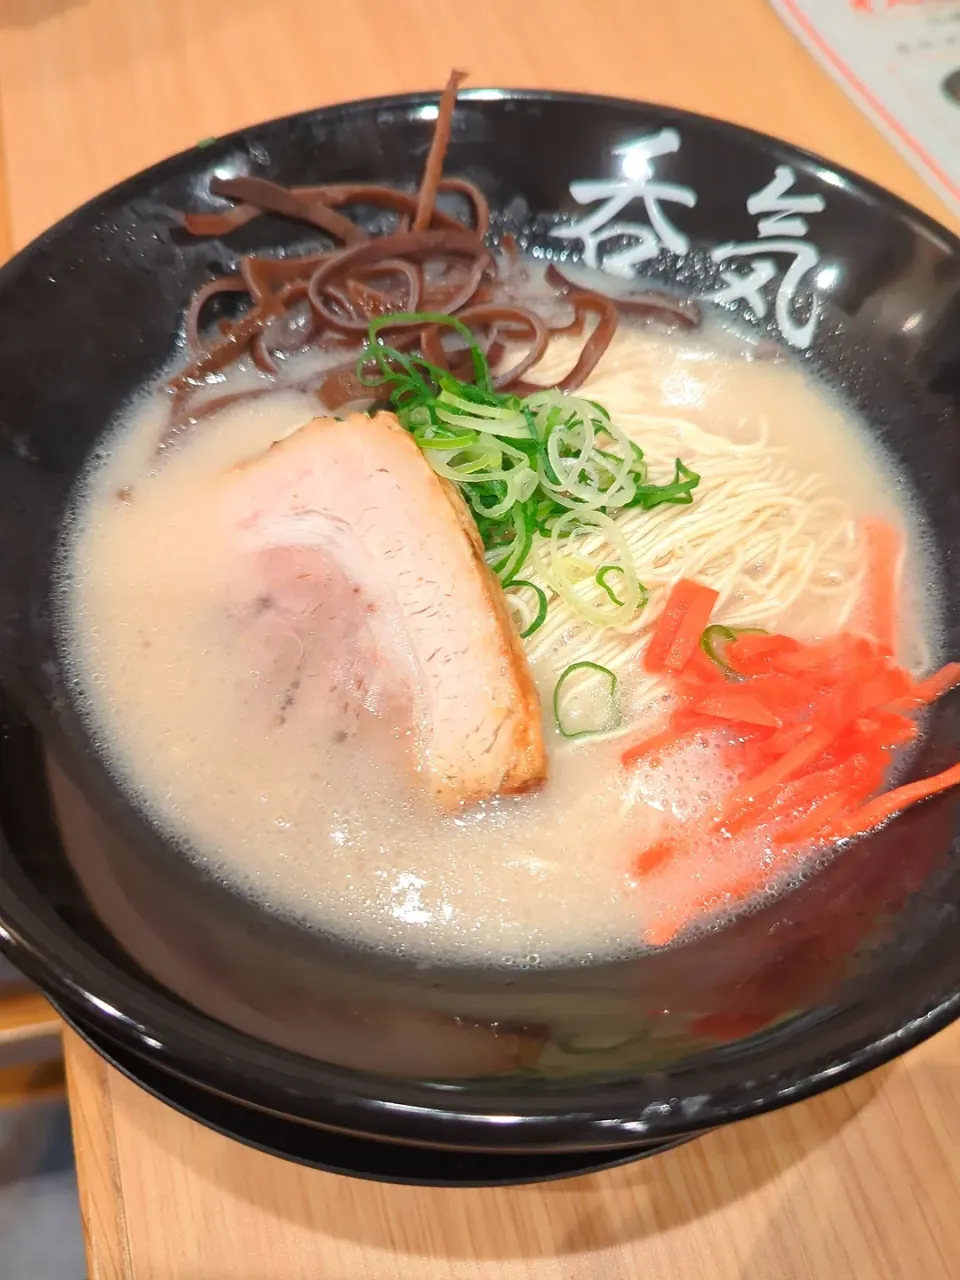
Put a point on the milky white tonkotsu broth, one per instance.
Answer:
(334, 832)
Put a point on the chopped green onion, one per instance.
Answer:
(613, 718)
(559, 562)
(396, 369)
(391, 320)
(541, 595)
(716, 634)
(506, 562)
(601, 580)
(679, 491)
(461, 441)
(602, 575)
(473, 407)
(536, 471)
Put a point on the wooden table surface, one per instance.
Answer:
(863, 1182)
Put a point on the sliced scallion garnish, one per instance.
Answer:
(572, 575)
(541, 614)
(613, 715)
(601, 580)
(392, 320)
(717, 634)
(547, 468)
(451, 441)
(602, 574)
(678, 491)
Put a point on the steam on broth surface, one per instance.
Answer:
(195, 714)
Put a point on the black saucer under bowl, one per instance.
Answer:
(332, 1152)
(160, 961)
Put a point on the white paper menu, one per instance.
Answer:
(900, 62)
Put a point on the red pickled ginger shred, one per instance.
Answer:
(809, 728)
(878, 611)
(677, 633)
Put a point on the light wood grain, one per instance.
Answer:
(91, 90)
(863, 1182)
(102, 1207)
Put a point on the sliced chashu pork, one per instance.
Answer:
(366, 571)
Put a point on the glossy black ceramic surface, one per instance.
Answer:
(857, 964)
(333, 1152)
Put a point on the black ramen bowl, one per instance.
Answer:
(172, 969)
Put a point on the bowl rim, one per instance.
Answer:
(909, 212)
(396, 1108)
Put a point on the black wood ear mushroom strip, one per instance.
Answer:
(432, 261)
